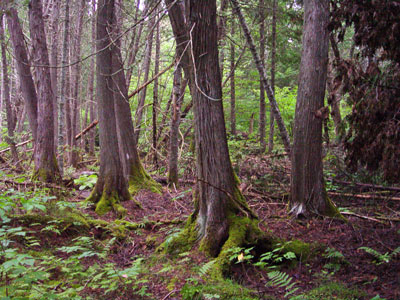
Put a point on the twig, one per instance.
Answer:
(29, 183)
(364, 196)
(360, 216)
(366, 185)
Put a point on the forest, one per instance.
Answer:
(209, 149)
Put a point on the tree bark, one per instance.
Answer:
(91, 94)
(46, 168)
(261, 127)
(111, 186)
(146, 67)
(232, 84)
(263, 76)
(308, 193)
(63, 89)
(6, 94)
(155, 94)
(174, 132)
(24, 71)
(273, 70)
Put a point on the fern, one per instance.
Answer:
(379, 257)
(282, 280)
(206, 267)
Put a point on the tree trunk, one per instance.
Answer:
(24, 71)
(273, 67)
(217, 197)
(111, 186)
(76, 80)
(261, 127)
(91, 94)
(221, 34)
(146, 67)
(6, 94)
(155, 94)
(232, 83)
(308, 194)
(174, 133)
(263, 76)
(55, 15)
(63, 89)
(46, 168)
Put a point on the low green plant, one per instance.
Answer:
(381, 258)
(335, 259)
(86, 181)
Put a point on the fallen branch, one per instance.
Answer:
(17, 145)
(364, 196)
(360, 216)
(30, 183)
(150, 81)
(84, 131)
(366, 185)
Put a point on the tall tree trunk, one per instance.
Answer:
(55, 15)
(63, 89)
(91, 94)
(155, 94)
(273, 70)
(217, 198)
(111, 186)
(6, 94)
(146, 67)
(308, 194)
(76, 80)
(133, 169)
(46, 168)
(174, 133)
(24, 71)
(262, 90)
(222, 34)
(232, 82)
(263, 76)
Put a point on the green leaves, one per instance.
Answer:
(86, 181)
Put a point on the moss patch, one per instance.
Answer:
(140, 180)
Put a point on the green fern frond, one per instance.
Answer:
(206, 267)
(282, 280)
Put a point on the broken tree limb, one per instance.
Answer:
(17, 145)
(150, 81)
(261, 70)
(84, 131)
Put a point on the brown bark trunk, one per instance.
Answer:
(261, 127)
(261, 71)
(24, 71)
(6, 95)
(91, 94)
(146, 67)
(273, 66)
(111, 186)
(174, 132)
(308, 194)
(46, 168)
(76, 80)
(232, 84)
(155, 94)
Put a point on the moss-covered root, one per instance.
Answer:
(140, 180)
(106, 201)
(243, 231)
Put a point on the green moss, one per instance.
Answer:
(108, 202)
(303, 251)
(139, 179)
(334, 291)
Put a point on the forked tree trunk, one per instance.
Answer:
(46, 168)
(261, 127)
(308, 194)
(263, 76)
(6, 94)
(174, 132)
(133, 169)
(111, 186)
(24, 71)
(217, 197)
(273, 67)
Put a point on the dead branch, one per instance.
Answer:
(360, 216)
(366, 185)
(364, 196)
(30, 183)
(17, 145)
(84, 131)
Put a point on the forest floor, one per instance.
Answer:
(339, 269)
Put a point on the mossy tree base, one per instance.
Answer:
(140, 180)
